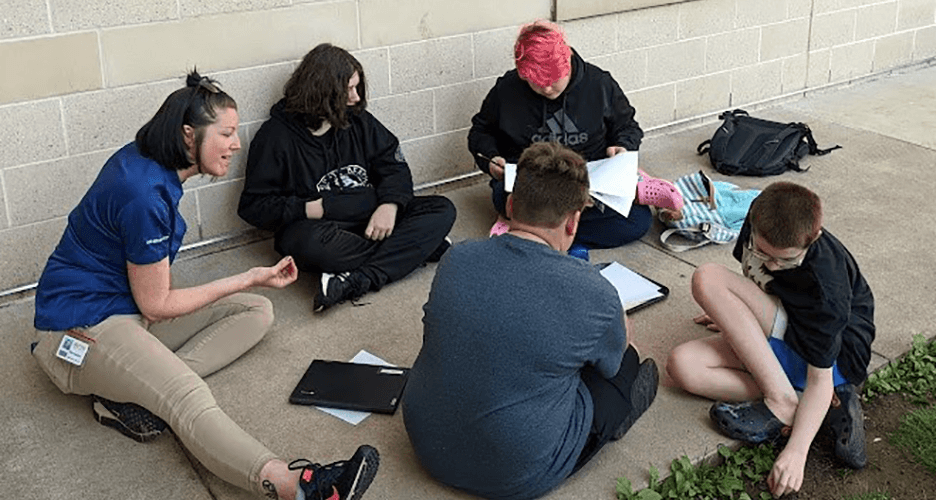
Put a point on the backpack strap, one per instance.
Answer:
(702, 232)
(706, 144)
(813, 146)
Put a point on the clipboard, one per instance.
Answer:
(661, 291)
(351, 386)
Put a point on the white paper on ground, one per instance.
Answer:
(613, 181)
(632, 288)
(350, 416)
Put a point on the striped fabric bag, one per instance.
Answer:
(713, 212)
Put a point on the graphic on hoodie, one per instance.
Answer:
(343, 179)
(560, 128)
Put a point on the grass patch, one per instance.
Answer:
(914, 375)
(727, 480)
(917, 436)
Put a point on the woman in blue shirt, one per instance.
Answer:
(107, 285)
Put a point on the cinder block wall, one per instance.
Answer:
(79, 77)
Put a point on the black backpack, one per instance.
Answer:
(744, 145)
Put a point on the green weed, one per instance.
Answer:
(707, 482)
(913, 375)
(916, 435)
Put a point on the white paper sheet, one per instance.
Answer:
(351, 416)
(632, 288)
(613, 181)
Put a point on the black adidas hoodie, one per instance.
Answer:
(589, 116)
(353, 170)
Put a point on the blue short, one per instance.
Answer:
(793, 364)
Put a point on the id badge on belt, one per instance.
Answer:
(74, 347)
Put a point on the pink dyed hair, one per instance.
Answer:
(541, 53)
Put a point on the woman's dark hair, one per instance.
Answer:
(318, 88)
(196, 105)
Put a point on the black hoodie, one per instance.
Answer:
(353, 170)
(591, 115)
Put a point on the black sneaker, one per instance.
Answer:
(846, 421)
(131, 420)
(642, 394)
(344, 480)
(437, 254)
(336, 288)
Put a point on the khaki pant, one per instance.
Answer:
(160, 367)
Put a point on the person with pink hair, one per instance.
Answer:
(553, 95)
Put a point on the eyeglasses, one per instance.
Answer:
(782, 263)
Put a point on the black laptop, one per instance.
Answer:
(351, 386)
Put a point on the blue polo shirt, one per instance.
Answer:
(130, 214)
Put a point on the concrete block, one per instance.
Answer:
(756, 83)
(75, 15)
(76, 67)
(31, 132)
(732, 50)
(594, 36)
(25, 250)
(23, 18)
(456, 104)
(217, 208)
(915, 14)
(648, 27)
(829, 30)
(376, 64)
(655, 106)
(52, 189)
(784, 39)
(760, 12)
(390, 22)
(799, 8)
(438, 157)
(149, 52)
(194, 8)
(493, 51)
(110, 118)
(893, 51)
(255, 89)
(819, 68)
(676, 61)
(4, 221)
(924, 44)
(852, 61)
(408, 116)
(794, 73)
(825, 6)
(433, 63)
(629, 69)
(188, 207)
(876, 20)
(703, 95)
(705, 18)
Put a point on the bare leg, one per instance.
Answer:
(745, 315)
(277, 474)
(710, 368)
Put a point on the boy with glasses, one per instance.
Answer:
(800, 319)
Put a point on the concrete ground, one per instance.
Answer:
(877, 192)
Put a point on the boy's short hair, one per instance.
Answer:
(541, 53)
(787, 215)
(551, 183)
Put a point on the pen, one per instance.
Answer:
(486, 158)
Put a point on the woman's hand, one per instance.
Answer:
(615, 150)
(278, 276)
(381, 222)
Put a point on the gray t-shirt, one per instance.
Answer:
(495, 404)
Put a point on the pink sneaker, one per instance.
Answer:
(500, 227)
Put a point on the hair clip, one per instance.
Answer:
(206, 84)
